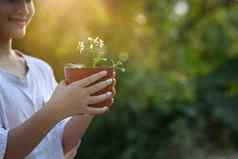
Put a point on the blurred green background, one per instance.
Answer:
(178, 97)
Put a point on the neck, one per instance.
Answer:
(5, 47)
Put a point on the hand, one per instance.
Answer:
(74, 99)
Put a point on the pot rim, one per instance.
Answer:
(91, 68)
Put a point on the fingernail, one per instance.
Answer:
(109, 81)
(103, 73)
(109, 93)
(106, 108)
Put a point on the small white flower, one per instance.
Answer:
(119, 63)
(96, 40)
(104, 59)
(77, 47)
(82, 45)
(101, 43)
(90, 39)
(123, 69)
(94, 46)
(91, 46)
(81, 50)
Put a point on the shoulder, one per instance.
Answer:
(39, 63)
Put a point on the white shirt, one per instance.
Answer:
(21, 98)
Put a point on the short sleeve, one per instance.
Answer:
(60, 127)
(3, 142)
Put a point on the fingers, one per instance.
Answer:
(91, 79)
(99, 98)
(114, 82)
(99, 86)
(110, 101)
(114, 74)
(95, 111)
(114, 91)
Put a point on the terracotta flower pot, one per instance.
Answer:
(75, 74)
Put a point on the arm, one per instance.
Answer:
(74, 131)
(30, 133)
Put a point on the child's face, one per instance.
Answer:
(15, 15)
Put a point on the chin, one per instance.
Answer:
(18, 35)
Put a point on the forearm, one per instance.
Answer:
(23, 139)
(75, 130)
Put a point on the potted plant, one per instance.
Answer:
(93, 49)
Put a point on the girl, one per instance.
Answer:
(32, 105)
